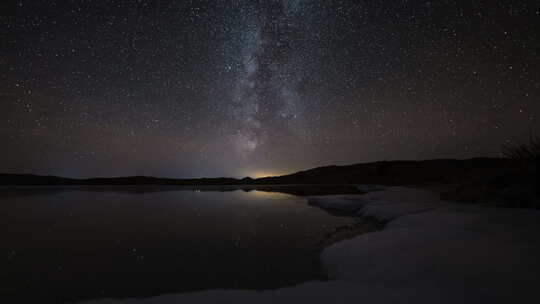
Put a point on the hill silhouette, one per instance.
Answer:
(382, 172)
(478, 180)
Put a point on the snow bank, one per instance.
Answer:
(430, 252)
(347, 203)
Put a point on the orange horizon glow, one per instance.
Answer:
(264, 174)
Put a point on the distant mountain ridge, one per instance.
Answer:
(382, 172)
(402, 172)
(30, 179)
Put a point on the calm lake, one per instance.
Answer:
(71, 244)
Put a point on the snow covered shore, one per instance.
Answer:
(429, 252)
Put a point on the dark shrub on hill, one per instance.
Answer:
(530, 150)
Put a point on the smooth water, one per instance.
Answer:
(63, 246)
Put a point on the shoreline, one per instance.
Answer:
(342, 233)
(430, 251)
(301, 190)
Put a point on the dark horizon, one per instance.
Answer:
(501, 157)
(401, 172)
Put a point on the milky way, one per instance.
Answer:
(266, 97)
(235, 88)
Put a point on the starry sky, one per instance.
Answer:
(238, 87)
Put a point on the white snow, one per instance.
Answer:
(430, 252)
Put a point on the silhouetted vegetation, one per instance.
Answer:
(518, 186)
(530, 150)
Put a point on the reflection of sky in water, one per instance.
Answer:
(235, 239)
(258, 194)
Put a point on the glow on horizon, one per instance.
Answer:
(262, 174)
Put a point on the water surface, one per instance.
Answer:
(62, 246)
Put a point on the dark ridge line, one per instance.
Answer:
(382, 172)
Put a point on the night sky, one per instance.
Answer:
(236, 88)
